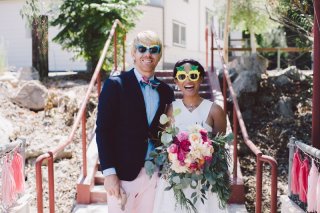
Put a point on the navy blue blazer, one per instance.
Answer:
(122, 127)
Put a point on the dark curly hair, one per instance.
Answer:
(189, 61)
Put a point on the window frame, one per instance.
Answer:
(180, 26)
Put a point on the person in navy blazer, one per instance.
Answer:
(129, 110)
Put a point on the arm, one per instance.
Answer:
(105, 134)
(218, 118)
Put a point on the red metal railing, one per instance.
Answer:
(96, 78)
(239, 122)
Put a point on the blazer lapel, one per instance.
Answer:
(136, 95)
(161, 104)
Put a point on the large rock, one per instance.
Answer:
(27, 74)
(284, 107)
(246, 82)
(254, 63)
(31, 95)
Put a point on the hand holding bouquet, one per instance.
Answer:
(193, 159)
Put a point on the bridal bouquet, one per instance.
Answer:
(193, 159)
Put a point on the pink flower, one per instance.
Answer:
(173, 148)
(185, 145)
(181, 155)
(183, 135)
(176, 140)
(193, 166)
(204, 134)
(182, 163)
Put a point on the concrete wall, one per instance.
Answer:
(192, 15)
(16, 39)
(152, 19)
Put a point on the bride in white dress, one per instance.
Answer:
(194, 110)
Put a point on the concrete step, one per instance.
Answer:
(99, 178)
(288, 206)
(236, 208)
(98, 194)
(91, 208)
(103, 208)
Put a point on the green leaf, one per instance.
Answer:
(164, 119)
(193, 194)
(166, 138)
(149, 167)
(176, 179)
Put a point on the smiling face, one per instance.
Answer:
(189, 87)
(146, 62)
(146, 52)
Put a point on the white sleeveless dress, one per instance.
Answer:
(164, 200)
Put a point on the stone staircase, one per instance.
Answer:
(91, 196)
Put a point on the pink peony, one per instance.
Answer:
(193, 166)
(204, 134)
(181, 155)
(183, 135)
(185, 145)
(173, 148)
(176, 140)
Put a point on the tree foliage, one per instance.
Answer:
(297, 17)
(251, 15)
(86, 24)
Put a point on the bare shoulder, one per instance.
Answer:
(216, 110)
(218, 117)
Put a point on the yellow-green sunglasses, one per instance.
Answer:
(193, 75)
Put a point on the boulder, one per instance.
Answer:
(31, 95)
(246, 82)
(284, 107)
(27, 74)
(254, 63)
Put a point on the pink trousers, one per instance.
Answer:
(140, 192)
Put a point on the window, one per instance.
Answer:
(209, 15)
(179, 34)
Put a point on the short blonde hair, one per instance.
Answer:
(146, 37)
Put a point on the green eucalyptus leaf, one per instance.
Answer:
(166, 138)
(149, 167)
(176, 179)
(164, 119)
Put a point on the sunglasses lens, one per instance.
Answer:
(141, 49)
(154, 50)
(194, 76)
(181, 77)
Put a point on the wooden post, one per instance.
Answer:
(226, 33)
(40, 46)
(316, 79)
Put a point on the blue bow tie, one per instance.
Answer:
(152, 83)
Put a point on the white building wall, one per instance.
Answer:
(152, 19)
(15, 37)
(18, 45)
(192, 14)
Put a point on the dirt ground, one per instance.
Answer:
(266, 129)
(271, 133)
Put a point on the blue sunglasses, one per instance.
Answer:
(155, 49)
